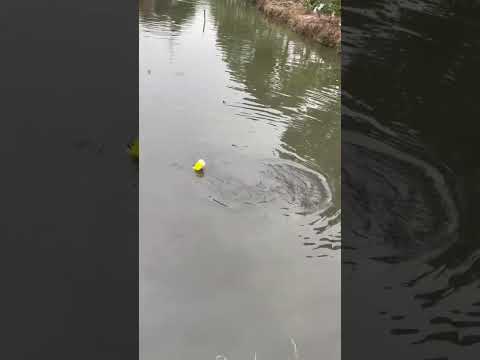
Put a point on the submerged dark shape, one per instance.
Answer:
(284, 184)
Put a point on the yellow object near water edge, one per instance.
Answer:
(199, 165)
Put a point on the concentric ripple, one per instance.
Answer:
(284, 184)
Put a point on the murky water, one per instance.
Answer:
(245, 259)
(410, 180)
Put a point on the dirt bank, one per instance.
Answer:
(322, 28)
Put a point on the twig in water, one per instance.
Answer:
(295, 352)
(219, 202)
(204, 19)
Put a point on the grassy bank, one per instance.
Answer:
(316, 19)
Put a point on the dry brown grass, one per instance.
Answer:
(322, 28)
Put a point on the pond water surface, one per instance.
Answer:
(243, 261)
(410, 175)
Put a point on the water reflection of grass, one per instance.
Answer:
(295, 353)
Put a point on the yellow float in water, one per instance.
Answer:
(199, 165)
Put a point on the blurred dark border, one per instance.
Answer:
(410, 179)
(69, 191)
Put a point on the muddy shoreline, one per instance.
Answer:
(321, 28)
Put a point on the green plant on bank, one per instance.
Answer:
(325, 7)
(134, 149)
